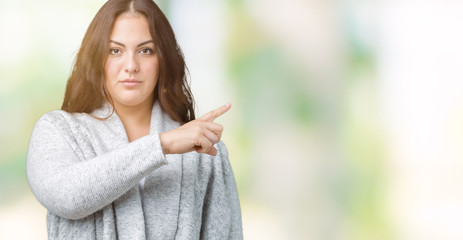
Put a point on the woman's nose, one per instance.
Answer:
(131, 64)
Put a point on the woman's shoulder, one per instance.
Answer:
(55, 115)
(59, 125)
(61, 120)
(58, 117)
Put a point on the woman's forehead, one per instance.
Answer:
(131, 29)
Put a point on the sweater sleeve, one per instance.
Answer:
(221, 209)
(72, 188)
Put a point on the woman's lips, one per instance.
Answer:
(130, 82)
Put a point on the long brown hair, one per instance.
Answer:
(85, 89)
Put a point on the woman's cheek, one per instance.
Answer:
(111, 68)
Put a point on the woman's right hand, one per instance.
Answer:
(198, 135)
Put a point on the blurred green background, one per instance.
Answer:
(346, 119)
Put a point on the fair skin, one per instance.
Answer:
(131, 72)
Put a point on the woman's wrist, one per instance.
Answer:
(163, 143)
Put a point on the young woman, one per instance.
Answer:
(125, 158)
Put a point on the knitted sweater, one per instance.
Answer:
(86, 173)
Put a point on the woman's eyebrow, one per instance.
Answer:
(141, 44)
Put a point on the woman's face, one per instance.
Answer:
(132, 67)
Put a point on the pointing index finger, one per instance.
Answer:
(212, 115)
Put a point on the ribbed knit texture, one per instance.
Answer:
(86, 173)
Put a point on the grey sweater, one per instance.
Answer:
(86, 173)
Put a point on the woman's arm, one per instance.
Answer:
(72, 188)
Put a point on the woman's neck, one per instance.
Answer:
(136, 119)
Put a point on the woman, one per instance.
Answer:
(125, 158)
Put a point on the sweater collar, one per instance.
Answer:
(159, 123)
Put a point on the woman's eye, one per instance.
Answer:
(114, 51)
(147, 51)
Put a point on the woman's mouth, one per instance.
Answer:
(130, 82)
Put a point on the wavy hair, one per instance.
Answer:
(86, 90)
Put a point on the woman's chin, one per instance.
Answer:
(131, 101)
